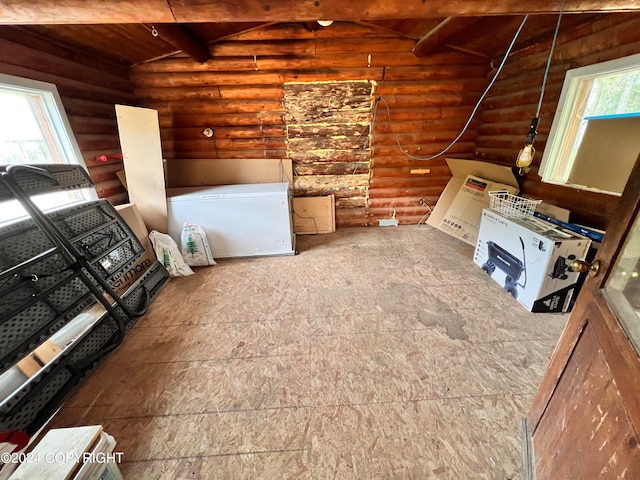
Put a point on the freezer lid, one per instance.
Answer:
(250, 190)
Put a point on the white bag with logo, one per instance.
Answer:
(168, 254)
(195, 247)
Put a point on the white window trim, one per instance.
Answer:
(60, 123)
(61, 128)
(566, 106)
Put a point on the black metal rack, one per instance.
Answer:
(52, 267)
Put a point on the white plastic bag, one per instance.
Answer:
(195, 246)
(168, 254)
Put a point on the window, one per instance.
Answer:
(34, 129)
(593, 135)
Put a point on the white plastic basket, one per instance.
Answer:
(512, 206)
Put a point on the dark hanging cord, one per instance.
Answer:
(525, 156)
(475, 109)
(546, 71)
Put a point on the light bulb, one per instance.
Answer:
(324, 23)
(525, 157)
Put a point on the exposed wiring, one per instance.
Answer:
(424, 218)
(546, 71)
(365, 144)
(283, 174)
(475, 109)
(315, 225)
(525, 156)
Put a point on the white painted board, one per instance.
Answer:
(139, 131)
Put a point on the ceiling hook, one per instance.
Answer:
(154, 32)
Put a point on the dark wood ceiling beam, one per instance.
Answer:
(432, 39)
(223, 31)
(380, 28)
(85, 11)
(466, 50)
(443, 33)
(187, 11)
(182, 39)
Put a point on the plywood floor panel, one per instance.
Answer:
(374, 353)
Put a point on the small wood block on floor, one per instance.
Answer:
(312, 215)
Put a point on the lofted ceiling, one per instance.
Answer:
(164, 27)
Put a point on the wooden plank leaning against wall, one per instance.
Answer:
(512, 103)
(242, 98)
(89, 88)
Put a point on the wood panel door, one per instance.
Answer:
(584, 422)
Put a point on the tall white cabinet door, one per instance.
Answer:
(139, 131)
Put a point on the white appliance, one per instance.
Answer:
(240, 220)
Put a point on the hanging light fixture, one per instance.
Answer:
(317, 25)
(525, 156)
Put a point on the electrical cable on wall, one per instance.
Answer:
(283, 174)
(424, 218)
(367, 142)
(315, 225)
(525, 156)
(475, 109)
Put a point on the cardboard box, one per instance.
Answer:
(198, 172)
(460, 205)
(614, 137)
(531, 259)
(312, 215)
(130, 214)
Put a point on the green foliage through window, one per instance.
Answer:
(619, 93)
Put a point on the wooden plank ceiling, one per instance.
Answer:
(188, 11)
(165, 27)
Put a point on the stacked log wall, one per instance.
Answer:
(240, 92)
(88, 86)
(513, 100)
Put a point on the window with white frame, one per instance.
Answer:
(608, 91)
(34, 129)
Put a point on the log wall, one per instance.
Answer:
(89, 88)
(512, 103)
(240, 93)
(329, 141)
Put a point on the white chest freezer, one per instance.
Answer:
(240, 220)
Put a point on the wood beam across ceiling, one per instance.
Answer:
(215, 32)
(431, 39)
(187, 11)
(442, 33)
(181, 38)
(380, 28)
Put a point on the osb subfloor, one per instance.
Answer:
(375, 353)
